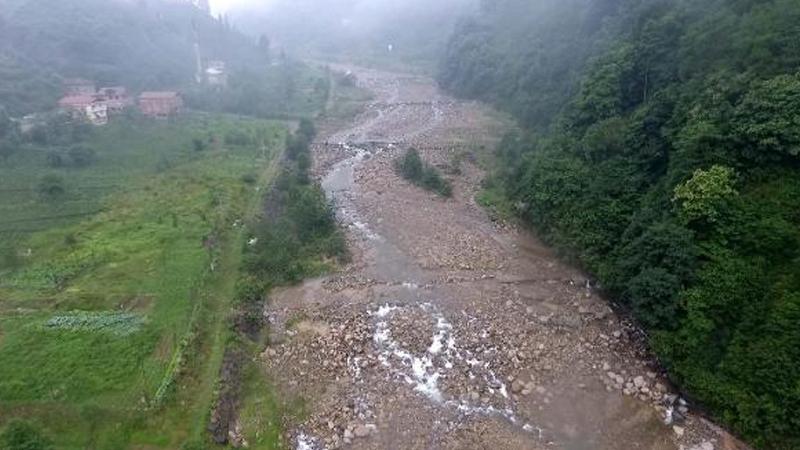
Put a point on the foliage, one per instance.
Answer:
(142, 45)
(126, 286)
(290, 89)
(301, 226)
(662, 151)
(118, 323)
(81, 156)
(411, 167)
(51, 186)
(21, 435)
(704, 195)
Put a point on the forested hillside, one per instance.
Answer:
(662, 150)
(140, 44)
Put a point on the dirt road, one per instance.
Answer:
(448, 330)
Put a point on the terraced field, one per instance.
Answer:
(115, 287)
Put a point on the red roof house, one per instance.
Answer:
(160, 104)
(76, 102)
(115, 97)
(88, 107)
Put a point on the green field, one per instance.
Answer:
(114, 294)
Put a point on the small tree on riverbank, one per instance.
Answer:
(411, 167)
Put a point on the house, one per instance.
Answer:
(113, 93)
(88, 107)
(116, 98)
(216, 75)
(78, 86)
(97, 113)
(160, 104)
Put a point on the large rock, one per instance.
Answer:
(361, 431)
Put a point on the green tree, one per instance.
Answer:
(705, 196)
(768, 119)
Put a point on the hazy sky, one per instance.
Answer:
(218, 6)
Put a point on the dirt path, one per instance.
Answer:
(449, 331)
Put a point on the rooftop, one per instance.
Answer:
(158, 95)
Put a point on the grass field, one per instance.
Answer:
(113, 295)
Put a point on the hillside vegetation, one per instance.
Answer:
(131, 253)
(105, 311)
(662, 150)
(144, 45)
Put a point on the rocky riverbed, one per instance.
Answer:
(450, 330)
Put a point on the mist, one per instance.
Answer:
(409, 29)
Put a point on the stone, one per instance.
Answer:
(678, 430)
(639, 382)
(517, 386)
(361, 431)
(707, 445)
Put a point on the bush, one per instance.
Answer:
(412, 168)
(238, 137)
(198, 145)
(7, 148)
(22, 435)
(410, 165)
(51, 187)
(54, 159)
(81, 156)
(9, 258)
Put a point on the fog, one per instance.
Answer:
(412, 28)
(224, 6)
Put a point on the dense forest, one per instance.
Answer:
(661, 149)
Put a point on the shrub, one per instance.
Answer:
(81, 156)
(412, 168)
(198, 144)
(238, 137)
(54, 159)
(22, 435)
(410, 165)
(51, 187)
(9, 258)
(111, 322)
